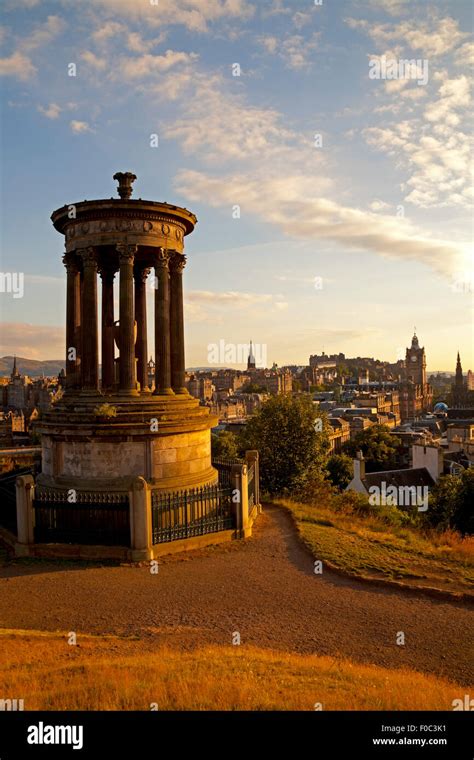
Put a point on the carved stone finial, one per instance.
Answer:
(125, 180)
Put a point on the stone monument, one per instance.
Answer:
(110, 427)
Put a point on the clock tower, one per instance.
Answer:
(415, 363)
(416, 395)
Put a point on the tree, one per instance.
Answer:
(340, 470)
(253, 388)
(292, 447)
(379, 447)
(225, 445)
(450, 503)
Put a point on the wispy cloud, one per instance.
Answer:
(32, 341)
(295, 209)
(80, 127)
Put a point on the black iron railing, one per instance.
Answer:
(8, 502)
(189, 513)
(82, 518)
(224, 468)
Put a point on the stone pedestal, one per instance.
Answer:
(140, 521)
(164, 440)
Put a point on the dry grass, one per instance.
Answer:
(367, 544)
(112, 673)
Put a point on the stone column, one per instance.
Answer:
(90, 345)
(162, 326)
(73, 321)
(24, 514)
(126, 319)
(177, 264)
(107, 275)
(141, 347)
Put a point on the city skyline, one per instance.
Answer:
(321, 257)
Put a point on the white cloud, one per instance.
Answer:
(269, 43)
(294, 49)
(137, 44)
(377, 205)
(301, 19)
(293, 205)
(79, 127)
(108, 30)
(454, 94)
(464, 56)
(94, 61)
(430, 38)
(15, 4)
(147, 65)
(432, 146)
(229, 298)
(134, 41)
(43, 33)
(51, 112)
(392, 7)
(17, 65)
(198, 304)
(277, 8)
(218, 126)
(195, 15)
(139, 68)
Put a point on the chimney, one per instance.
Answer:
(359, 466)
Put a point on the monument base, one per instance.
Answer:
(101, 443)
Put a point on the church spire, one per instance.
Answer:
(15, 372)
(251, 358)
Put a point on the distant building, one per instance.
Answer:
(200, 387)
(416, 395)
(276, 382)
(251, 358)
(339, 433)
(12, 429)
(400, 488)
(459, 387)
(17, 390)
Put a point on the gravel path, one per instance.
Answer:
(263, 588)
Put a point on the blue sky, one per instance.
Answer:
(380, 211)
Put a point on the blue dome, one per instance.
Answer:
(440, 407)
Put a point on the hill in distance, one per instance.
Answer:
(31, 367)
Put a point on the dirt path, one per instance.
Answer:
(263, 588)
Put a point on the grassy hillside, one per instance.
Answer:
(378, 545)
(111, 673)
